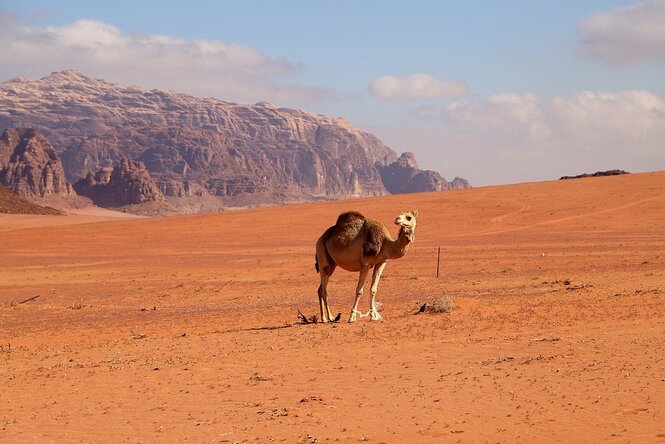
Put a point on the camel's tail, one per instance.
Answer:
(322, 260)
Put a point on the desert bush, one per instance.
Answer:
(443, 304)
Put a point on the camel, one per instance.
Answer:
(357, 243)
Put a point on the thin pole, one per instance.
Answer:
(438, 262)
(29, 299)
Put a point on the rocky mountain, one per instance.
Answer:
(404, 176)
(200, 148)
(33, 169)
(127, 183)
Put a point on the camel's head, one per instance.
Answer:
(407, 220)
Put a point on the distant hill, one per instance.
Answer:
(204, 153)
(12, 204)
(596, 174)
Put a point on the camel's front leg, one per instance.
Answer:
(376, 276)
(364, 270)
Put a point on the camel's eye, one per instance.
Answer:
(408, 217)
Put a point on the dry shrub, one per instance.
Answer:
(307, 319)
(443, 304)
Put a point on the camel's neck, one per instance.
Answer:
(400, 246)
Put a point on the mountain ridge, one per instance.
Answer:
(193, 147)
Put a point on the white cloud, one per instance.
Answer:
(415, 87)
(498, 109)
(202, 67)
(510, 137)
(627, 34)
(628, 114)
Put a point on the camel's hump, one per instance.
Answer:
(351, 225)
(348, 217)
(346, 229)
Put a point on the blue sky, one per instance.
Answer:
(493, 91)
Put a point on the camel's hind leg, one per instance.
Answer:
(326, 316)
(325, 265)
(376, 276)
(359, 292)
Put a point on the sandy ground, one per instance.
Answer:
(185, 328)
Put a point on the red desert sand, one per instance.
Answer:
(187, 328)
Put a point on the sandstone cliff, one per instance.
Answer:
(127, 183)
(33, 169)
(198, 147)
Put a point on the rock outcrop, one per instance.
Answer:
(596, 174)
(128, 183)
(199, 147)
(33, 169)
(404, 176)
(9, 140)
(458, 183)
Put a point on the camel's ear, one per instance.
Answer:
(415, 213)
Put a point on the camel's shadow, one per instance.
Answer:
(302, 320)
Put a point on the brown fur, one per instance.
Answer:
(354, 224)
(348, 217)
(374, 235)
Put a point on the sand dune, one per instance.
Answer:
(185, 327)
